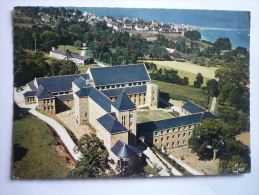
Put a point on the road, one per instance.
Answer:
(83, 54)
(188, 168)
(156, 161)
(213, 103)
(60, 130)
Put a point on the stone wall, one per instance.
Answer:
(152, 95)
(29, 100)
(46, 105)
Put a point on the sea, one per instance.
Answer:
(215, 24)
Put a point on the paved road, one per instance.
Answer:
(83, 54)
(188, 168)
(213, 103)
(172, 169)
(155, 160)
(61, 131)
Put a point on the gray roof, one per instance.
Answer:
(42, 93)
(128, 90)
(96, 96)
(123, 150)
(73, 55)
(65, 97)
(81, 82)
(119, 74)
(29, 94)
(111, 125)
(192, 107)
(31, 85)
(123, 102)
(150, 127)
(59, 83)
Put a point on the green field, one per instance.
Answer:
(151, 115)
(185, 93)
(70, 48)
(35, 154)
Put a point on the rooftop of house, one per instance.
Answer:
(123, 150)
(81, 82)
(73, 55)
(123, 102)
(119, 74)
(29, 94)
(42, 93)
(112, 125)
(152, 126)
(57, 83)
(192, 107)
(128, 90)
(65, 97)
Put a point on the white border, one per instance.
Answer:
(245, 184)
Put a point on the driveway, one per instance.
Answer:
(60, 130)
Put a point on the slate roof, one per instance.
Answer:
(81, 82)
(31, 85)
(111, 125)
(59, 83)
(128, 90)
(150, 127)
(192, 107)
(65, 97)
(73, 55)
(119, 74)
(96, 96)
(123, 102)
(123, 150)
(42, 93)
(29, 94)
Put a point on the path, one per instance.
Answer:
(83, 54)
(172, 169)
(155, 160)
(213, 103)
(191, 170)
(60, 130)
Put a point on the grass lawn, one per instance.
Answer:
(35, 151)
(187, 69)
(244, 137)
(150, 170)
(70, 48)
(184, 93)
(83, 69)
(151, 115)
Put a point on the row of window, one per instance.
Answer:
(49, 108)
(48, 101)
(173, 137)
(178, 143)
(61, 93)
(175, 130)
(121, 85)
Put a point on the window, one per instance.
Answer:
(183, 141)
(168, 131)
(174, 130)
(190, 126)
(184, 127)
(86, 114)
(162, 139)
(167, 144)
(103, 87)
(179, 135)
(167, 138)
(122, 85)
(130, 124)
(44, 108)
(52, 107)
(179, 142)
(139, 83)
(134, 84)
(161, 132)
(172, 143)
(131, 115)
(173, 136)
(144, 83)
(130, 84)
(156, 140)
(45, 101)
(184, 134)
(190, 133)
(118, 86)
(179, 129)
(113, 86)
(48, 107)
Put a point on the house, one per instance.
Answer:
(127, 26)
(78, 59)
(139, 27)
(46, 19)
(154, 23)
(107, 98)
(191, 108)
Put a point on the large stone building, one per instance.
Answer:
(108, 98)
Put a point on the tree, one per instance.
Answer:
(94, 159)
(212, 87)
(222, 44)
(49, 40)
(193, 35)
(199, 81)
(62, 11)
(78, 44)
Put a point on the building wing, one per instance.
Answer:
(192, 107)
